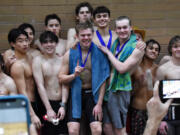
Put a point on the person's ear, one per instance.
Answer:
(77, 18)
(12, 44)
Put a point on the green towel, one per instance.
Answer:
(122, 81)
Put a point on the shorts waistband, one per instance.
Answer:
(86, 91)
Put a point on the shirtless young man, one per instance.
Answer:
(9, 56)
(171, 70)
(126, 55)
(53, 24)
(83, 13)
(143, 80)
(7, 85)
(103, 35)
(86, 67)
(53, 95)
(21, 70)
(29, 29)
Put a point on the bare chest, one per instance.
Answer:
(142, 76)
(60, 49)
(105, 39)
(51, 68)
(86, 60)
(27, 70)
(173, 74)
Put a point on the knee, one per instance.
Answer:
(107, 128)
(96, 128)
(73, 130)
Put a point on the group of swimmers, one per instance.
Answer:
(97, 76)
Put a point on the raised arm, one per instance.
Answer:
(131, 61)
(156, 111)
(38, 76)
(71, 38)
(64, 76)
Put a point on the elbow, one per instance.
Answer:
(60, 79)
(122, 70)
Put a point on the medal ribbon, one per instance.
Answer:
(118, 49)
(90, 48)
(102, 41)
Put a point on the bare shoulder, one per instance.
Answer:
(114, 33)
(18, 65)
(34, 52)
(9, 81)
(37, 60)
(166, 65)
(66, 55)
(165, 59)
(71, 32)
(114, 36)
(163, 69)
(95, 39)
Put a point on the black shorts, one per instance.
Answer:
(36, 109)
(87, 107)
(50, 129)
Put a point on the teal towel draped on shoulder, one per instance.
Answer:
(122, 81)
(100, 72)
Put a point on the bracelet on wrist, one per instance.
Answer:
(63, 105)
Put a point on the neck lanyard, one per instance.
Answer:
(90, 48)
(118, 49)
(102, 41)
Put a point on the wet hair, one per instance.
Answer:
(101, 9)
(2, 65)
(122, 18)
(151, 42)
(14, 34)
(83, 26)
(83, 4)
(48, 35)
(25, 26)
(50, 17)
(173, 41)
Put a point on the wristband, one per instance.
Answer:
(63, 105)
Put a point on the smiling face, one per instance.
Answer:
(102, 20)
(176, 50)
(123, 29)
(54, 26)
(49, 46)
(84, 14)
(85, 37)
(152, 51)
